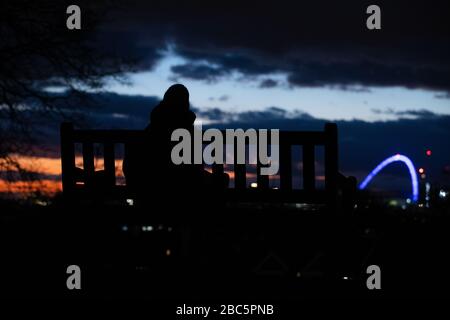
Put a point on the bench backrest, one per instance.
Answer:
(308, 140)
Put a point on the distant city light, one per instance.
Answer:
(41, 203)
(254, 185)
(428, 152)
(124, 228)
(443, 194)
(130, 202)
(147, 228)
(393, 203)
(421, 170)
(427, 194)
(387, 161)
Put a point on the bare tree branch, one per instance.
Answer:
(38, 51)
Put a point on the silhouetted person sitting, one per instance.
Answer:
(148, 165)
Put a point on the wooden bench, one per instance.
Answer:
(331, 195)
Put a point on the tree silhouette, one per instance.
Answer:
(37, 51)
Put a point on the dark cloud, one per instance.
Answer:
(198, 72)
(320, 43)
(445, 95)
(250, 119)
(380, 111)
(268, 83)
(224, 98)
(416, 113)
(369, 73)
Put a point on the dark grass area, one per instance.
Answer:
(227, 253)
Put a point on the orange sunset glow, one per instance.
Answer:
(52, 167)
(48, 167)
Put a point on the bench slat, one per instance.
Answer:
(239, 172)
(331, 164)
(303, 137)
(109, 160)
(123, 136)
(262, 180)
(88, 162)
(239, 176)
(309, 174)
(104, 136)
(285, 165)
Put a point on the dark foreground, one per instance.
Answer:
(229, 255)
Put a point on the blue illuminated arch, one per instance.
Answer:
(387, 161)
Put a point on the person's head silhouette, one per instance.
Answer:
(173, 111)
(177, 96)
